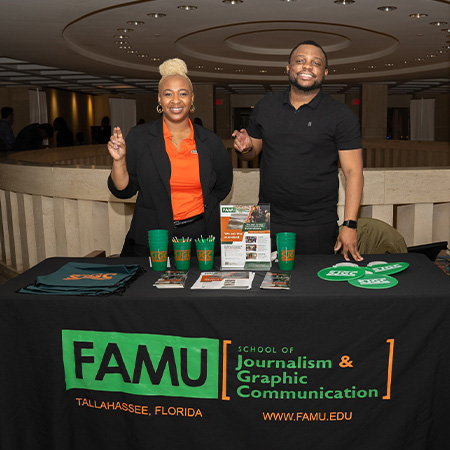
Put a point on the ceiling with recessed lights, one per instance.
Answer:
(241, 46)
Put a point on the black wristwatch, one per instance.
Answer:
(350, 224)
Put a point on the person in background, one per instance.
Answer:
(6, 133)
(64, 137)
(105, 132)
(79, 139)
(182, 171)
(32, 137)
(303, 133)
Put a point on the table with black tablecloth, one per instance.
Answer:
(324, 365)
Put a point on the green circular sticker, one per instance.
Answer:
(341, 273)
(375, 282)
(389, 268)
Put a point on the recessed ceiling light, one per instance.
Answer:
(446, 47)
(241, 70)
(438, 24)
(420, 34)
(156, 15)
(142, 56)
(431, 56)
(132, 51)
(218, 68)
(372, 67)
(120, 36)
(135, 22)
(121, 42)
(288, 1)
(344, 2)
(124, 47)
(389, 64)
(125, 30)
(418, 15)
(187, 7)
(232, 2)
(387, 8)
(263, 71)
(199, 67)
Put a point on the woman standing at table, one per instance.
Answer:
(182, 171)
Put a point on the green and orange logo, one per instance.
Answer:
(204, 255)
(287, 255)
(183, 255)
(158, 255)
(93, 276)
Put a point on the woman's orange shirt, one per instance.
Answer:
(185, 186)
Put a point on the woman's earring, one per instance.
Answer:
(192, 108)
(159, 109)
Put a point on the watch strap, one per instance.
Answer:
(350, 224)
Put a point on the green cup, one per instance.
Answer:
(155, 235)
(205, 255)
(286, 239)
(182, 255)
(158, 242)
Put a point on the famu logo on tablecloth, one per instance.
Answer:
(142, 364)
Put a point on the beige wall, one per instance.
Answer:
(441, 114)
(223, 117)
(146, 107)
(373, 111)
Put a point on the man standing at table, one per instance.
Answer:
(303, 133)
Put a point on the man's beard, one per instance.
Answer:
(316, 85)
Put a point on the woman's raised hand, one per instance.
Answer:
(116, 145)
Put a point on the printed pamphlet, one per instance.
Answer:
(224, 280)
(245, 237)
(171, 279)
(276, 280)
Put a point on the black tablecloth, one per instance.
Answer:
(324, 365)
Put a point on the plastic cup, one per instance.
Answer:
(158, 242)
(154, 235)
(286, 237)
(182, 254)
(205, 255)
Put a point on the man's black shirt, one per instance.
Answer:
(299, 162)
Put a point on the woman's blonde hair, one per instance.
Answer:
(174, 66)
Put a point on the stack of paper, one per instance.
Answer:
(224, 280)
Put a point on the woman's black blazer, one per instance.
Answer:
(149, 169)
